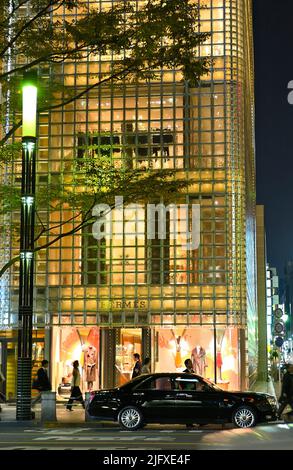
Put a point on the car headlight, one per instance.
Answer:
(272, 401)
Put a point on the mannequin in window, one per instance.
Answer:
(90, 361)
(198, 358)
(219, 363)
(178, 358)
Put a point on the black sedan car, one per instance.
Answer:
(179, 398)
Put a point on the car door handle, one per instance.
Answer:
(138, 394)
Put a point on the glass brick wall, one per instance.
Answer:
(204, 134)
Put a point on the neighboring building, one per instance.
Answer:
(262, 368)
(273, 301)
(101, 302)
(288, 298)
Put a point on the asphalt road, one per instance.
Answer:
(277, 436)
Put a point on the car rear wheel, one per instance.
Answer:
(244, 417)
(130, 418)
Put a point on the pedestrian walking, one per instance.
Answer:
(286, 397)
(136, 371)
(42, 382)
(146, 366)
(75, 390)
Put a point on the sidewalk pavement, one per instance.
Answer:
(64, 417)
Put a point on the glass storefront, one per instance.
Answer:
(70, 344)
(130, 342)
(214, 355)
(218, 362)
(174, 345)
(194, 303)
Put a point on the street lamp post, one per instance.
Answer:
(26, 272)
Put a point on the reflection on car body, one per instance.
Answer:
(179, 398)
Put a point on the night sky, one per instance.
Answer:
(273, 43)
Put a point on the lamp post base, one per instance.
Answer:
(23, 401)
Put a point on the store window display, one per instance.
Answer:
(130, 343)
(175, 345)
(215, 361)
(178, 344)
(90, 365)
(219, 362)
(227, 358)
(70, 344)
(198, 358)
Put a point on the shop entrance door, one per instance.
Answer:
(129, 341)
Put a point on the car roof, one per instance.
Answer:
(154, 375)
(169, 374)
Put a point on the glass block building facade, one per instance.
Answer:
(101, 301)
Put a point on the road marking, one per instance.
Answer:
(104, 438)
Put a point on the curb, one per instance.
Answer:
(58, 424)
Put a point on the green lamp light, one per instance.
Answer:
(29, 108)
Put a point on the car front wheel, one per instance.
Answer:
(244, 417)
(130, 418)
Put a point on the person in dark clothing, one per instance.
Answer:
(286, 397)
(43, 379)
(43, 383)
(188, 370)
(136, 371)
(75, 390)
(188, 365)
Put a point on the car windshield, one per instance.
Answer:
(213, 385)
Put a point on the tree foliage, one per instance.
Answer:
(142, 40)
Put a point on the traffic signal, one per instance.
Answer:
(279, 329)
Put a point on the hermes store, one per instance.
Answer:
(105, 355)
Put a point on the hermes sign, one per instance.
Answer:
(122, 304)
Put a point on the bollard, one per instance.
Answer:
(48, 406)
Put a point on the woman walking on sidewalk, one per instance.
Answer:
(75, 390)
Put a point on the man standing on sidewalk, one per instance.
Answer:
(43, 383)
(286, 397)
(136, 371)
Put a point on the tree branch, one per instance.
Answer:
(7, 265)
(12, 130)
(27, 25)
(13, 11)
(44, 229)
(79, 95)
(123, 73)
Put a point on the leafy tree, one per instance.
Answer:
(160, 34)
